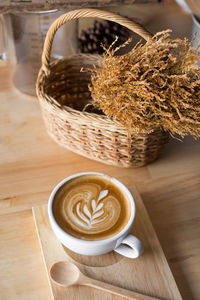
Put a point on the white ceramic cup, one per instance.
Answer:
(123, 243)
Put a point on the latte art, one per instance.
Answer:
(88, 218)
(91, 207)
(91, 211)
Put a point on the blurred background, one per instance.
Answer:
(23, 26)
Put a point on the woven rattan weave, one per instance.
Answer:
(63, 92)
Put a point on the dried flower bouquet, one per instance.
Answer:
(155, 85)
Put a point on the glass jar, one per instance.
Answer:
(28, 34)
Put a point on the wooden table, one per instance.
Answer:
(31, 164)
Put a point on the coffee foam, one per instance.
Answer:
(91, 207)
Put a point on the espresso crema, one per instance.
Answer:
(91, 207)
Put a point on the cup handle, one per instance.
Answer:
(130, 247)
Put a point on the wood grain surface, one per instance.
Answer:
(148, 274)
(31, 164)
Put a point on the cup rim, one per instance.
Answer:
(85, 241)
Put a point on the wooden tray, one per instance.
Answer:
(149, 274)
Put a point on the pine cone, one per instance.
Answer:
(103, 32)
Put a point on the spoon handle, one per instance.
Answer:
(116, 290)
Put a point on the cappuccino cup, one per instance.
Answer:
(92, 213)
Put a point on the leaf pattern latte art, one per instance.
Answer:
(91, 210)
(93, 217)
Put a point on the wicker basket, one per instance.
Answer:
(63, 91)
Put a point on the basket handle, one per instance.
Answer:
(86, 13)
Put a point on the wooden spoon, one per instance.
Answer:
(67, 274)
